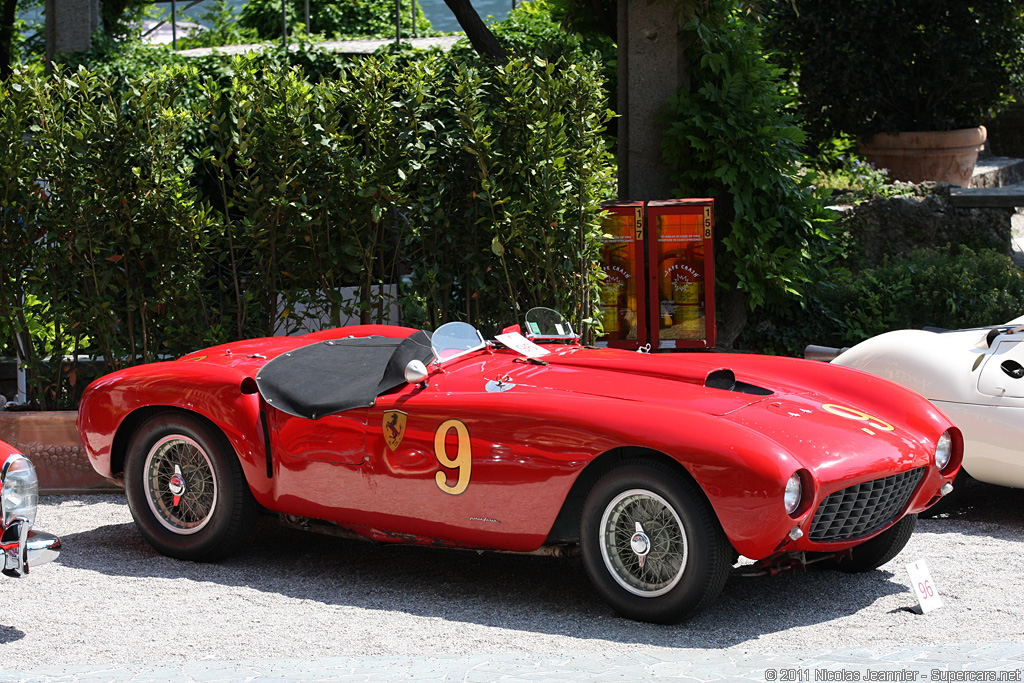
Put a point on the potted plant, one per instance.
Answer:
(911, 80)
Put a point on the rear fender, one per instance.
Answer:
(114, 406)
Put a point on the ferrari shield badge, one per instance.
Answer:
(394, 428)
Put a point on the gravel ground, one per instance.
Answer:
(110, 598)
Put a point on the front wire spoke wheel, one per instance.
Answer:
(651, 542)
(644, 543)
(181, 489)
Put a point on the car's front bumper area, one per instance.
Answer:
(24, 547)
(847, 517)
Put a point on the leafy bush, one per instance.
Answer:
(857, 180)
(538, 172)
(543, 28)
(120, 61)
(91, 249)
(530, 30)
(185, 210)
(221, 27)
(732, 136)
(952, 287)
(123, 17)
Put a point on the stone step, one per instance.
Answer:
(997, 182)
(993, 171)
(1010, 196)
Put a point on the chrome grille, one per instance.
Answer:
(859, 510)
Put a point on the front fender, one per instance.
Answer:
(742, 473)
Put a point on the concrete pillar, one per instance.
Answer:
(651, 69)
(69, 25)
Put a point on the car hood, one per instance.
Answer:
(246, 356)
(715, 384)
(825, 413)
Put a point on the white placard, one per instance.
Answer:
(518, 342)
(924, 587)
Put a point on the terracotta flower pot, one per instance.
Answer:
(943, 156)
(50, 440)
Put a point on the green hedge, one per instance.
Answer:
(953, 287)
(180, 208)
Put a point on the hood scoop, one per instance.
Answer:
(725, 379)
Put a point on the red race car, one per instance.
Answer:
(21, 546)
(660, 470)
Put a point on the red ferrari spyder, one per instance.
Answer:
(661, 470)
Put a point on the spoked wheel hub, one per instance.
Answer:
(180, 486)
(640, 544)
(643, 543)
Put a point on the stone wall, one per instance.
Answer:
(900, 225)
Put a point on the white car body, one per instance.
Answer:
(976, 377)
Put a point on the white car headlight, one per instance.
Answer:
(19, 489)
(794, 492)
(943, 450)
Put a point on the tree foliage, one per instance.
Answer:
(897, 65)
(332, 19)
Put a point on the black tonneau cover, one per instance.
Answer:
(339, 374)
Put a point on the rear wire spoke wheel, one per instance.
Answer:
(181, 489)
(185, 488)
(651, 543)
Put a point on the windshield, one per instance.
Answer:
(452, 340)
(545, 323)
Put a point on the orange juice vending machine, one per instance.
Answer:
(681, 273)
(659, 275)
(623, 311)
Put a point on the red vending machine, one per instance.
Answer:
(623, 308)
(659, 275)
(681, 273)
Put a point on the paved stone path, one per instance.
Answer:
(990, 662)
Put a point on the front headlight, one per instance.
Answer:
(19, 489)
(794, 492)
(943, 450)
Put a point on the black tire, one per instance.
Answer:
(876, 552)
(186, 490)
(686, 553)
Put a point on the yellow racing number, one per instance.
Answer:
(854, 414)
(463, 460)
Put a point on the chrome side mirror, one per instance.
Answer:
(416, 372)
